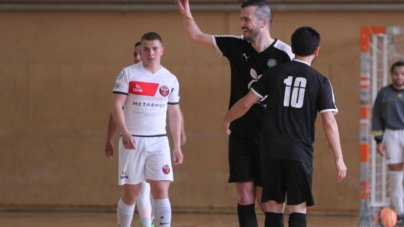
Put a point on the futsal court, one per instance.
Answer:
(108, 219)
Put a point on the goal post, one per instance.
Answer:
(379, 49)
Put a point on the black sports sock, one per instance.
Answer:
(273, 219)
(246, 215)
(297, 220)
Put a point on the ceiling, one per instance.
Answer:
(199, 5)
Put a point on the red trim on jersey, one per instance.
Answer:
(143, 88)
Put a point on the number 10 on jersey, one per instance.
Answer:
(299, 87)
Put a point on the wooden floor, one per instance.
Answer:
(108, 219)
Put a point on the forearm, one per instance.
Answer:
(194, 33)
(377, 129)
(236, 111)
(191, 27)
(331, 132)
(174, 121)
(119, 118)
(377, 121)
(112, 127)
(182, 124)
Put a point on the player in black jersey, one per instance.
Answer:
(388, 131)
(295, 92)
(249, 56)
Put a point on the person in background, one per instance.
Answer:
(388, 131)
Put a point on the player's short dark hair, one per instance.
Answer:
(137, 44)
(263, 9)
(151, 36)
(396, 64)
(305, 40)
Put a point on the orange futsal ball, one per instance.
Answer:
(387, 217)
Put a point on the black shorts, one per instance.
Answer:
(287, 178)
(244, 160)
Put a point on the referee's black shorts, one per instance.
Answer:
(244, 160)
(287, 178)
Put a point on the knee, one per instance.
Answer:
(245, 197)
(129, 199)
(273, 206)
(159, 194)
(160, 190)
(264, 206)
(129, 195)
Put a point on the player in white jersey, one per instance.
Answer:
(144, 200)
(148, 92)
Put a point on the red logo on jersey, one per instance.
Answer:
(166, 169)
(143, 88)
(164, 90)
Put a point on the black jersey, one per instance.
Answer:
(295, 93)
(246, 66)
(388, 111)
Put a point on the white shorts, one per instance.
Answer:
(394, 142)
(150, 160)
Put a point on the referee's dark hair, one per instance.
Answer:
(396, 64)
(263, 9)
(305, 40)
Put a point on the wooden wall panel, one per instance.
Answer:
(57, 70)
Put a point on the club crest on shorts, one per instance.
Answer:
(166, 169)
(164, 90)
(272, 62)
(124, 175)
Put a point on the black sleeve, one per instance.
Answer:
(377, 120)
(227, 44)
(326, 97)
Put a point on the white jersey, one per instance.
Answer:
(148, 94)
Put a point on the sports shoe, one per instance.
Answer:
(139, 221)
(400, 220)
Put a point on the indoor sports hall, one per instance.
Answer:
(59, 60)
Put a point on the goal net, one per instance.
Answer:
(380, 48)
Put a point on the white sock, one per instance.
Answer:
(146, 221)
(124, 214)
(152, 203)
(396, 191)
(144, 205)
(162, 211)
